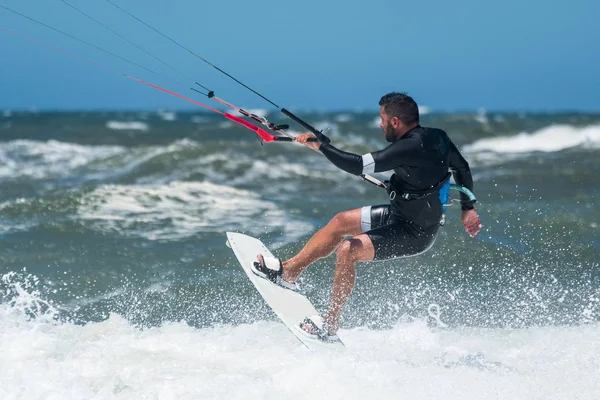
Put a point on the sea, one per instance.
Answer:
(116, 281)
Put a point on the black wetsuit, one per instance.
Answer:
(420, 160)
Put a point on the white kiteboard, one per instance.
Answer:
(291, 307)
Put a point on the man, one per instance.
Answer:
(407, 226)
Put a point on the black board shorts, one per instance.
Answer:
(395, 237)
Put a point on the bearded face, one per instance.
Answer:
(387, 126)
(388, 131)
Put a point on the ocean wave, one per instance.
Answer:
(286, 169)
(423, 110)
(181, 209)
(40, 160)
(375, 123)
(481, 116)
(550, 139)
(349, 139)
(167, 115)
(342, 118)
(29, 159)
(127, 126)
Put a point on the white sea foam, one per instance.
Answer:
(329, 128)
(181, 209)
(39, 160)
(286, 175)
(6, 113)
(375, 123)
(481, 116)
(127, 126)
(343, 118)
(167, 115)
(549, 139)
(112, 359)
(424, 110)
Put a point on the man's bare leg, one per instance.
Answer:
(323, 243)
(359, 248)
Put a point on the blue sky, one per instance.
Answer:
(450, 55)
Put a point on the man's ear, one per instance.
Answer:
(395, 122)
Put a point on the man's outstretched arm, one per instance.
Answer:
(405, 152)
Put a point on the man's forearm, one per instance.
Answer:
(349, 162)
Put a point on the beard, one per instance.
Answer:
(389, 133)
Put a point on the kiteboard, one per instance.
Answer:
(291, 307)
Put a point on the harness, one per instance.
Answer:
(409, 195)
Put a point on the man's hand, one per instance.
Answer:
(471, 221)
(303, 137)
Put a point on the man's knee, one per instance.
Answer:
(349, 250)
(358, 248)
(344, 222)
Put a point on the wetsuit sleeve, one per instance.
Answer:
(462, 175)
(348, 162)
(402, 152)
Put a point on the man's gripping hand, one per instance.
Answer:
(471, 221)
(303, 138)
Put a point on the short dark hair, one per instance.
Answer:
(402, 106)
